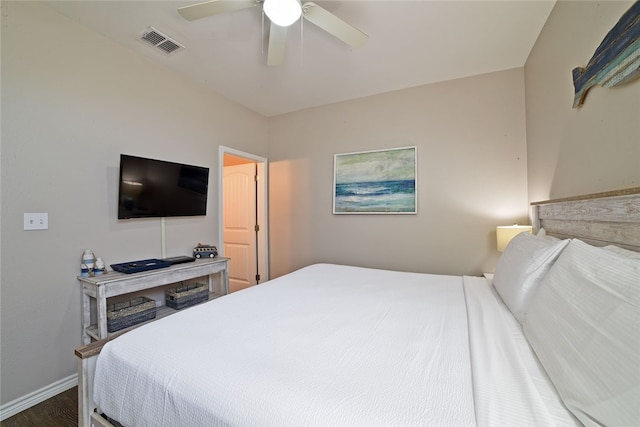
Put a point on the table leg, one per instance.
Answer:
(101, 306)
(86, 318)
(225, 280)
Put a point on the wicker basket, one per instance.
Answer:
(186, 295)
(129, 313)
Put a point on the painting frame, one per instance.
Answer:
(376, 182)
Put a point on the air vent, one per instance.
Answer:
(160, 41)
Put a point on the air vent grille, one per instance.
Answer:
(160, 41)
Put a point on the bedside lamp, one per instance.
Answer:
(505, 233)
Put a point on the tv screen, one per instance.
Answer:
(154, 188)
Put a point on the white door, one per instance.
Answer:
(240, 235)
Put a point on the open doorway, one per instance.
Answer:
(243, 227)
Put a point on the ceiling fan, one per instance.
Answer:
(282, 14)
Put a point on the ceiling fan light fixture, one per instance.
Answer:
(282, 12)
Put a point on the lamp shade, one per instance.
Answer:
(505, 233)
(282, 12)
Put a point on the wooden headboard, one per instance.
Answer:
(611, 218)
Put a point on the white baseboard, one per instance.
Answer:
(32, 399)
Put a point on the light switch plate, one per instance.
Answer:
(36, 221)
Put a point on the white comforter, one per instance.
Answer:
(327, 345)
(332, 345)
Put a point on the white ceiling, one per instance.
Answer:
(411, 43)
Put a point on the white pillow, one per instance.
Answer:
(543, 233)
(522, 265)
(584, 325)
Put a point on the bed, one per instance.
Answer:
(542, 342)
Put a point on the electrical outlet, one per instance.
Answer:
(36, 221)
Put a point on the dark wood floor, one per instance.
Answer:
(59, 411)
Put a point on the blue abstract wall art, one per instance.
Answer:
(615, 61)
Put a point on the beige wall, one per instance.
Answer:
(72, 101)
(470, 139)
(596, 147)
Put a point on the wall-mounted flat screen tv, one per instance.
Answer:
(156, 189)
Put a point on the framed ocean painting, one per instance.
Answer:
(375, 182)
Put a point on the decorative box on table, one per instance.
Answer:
(128, 313)
(186, 295)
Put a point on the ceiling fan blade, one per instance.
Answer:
(277, 44)
(214, 7)
(333, 25)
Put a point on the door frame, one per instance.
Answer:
(263, 205)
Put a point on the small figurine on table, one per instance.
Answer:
(202, 251)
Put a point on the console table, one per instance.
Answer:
(99, 288)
